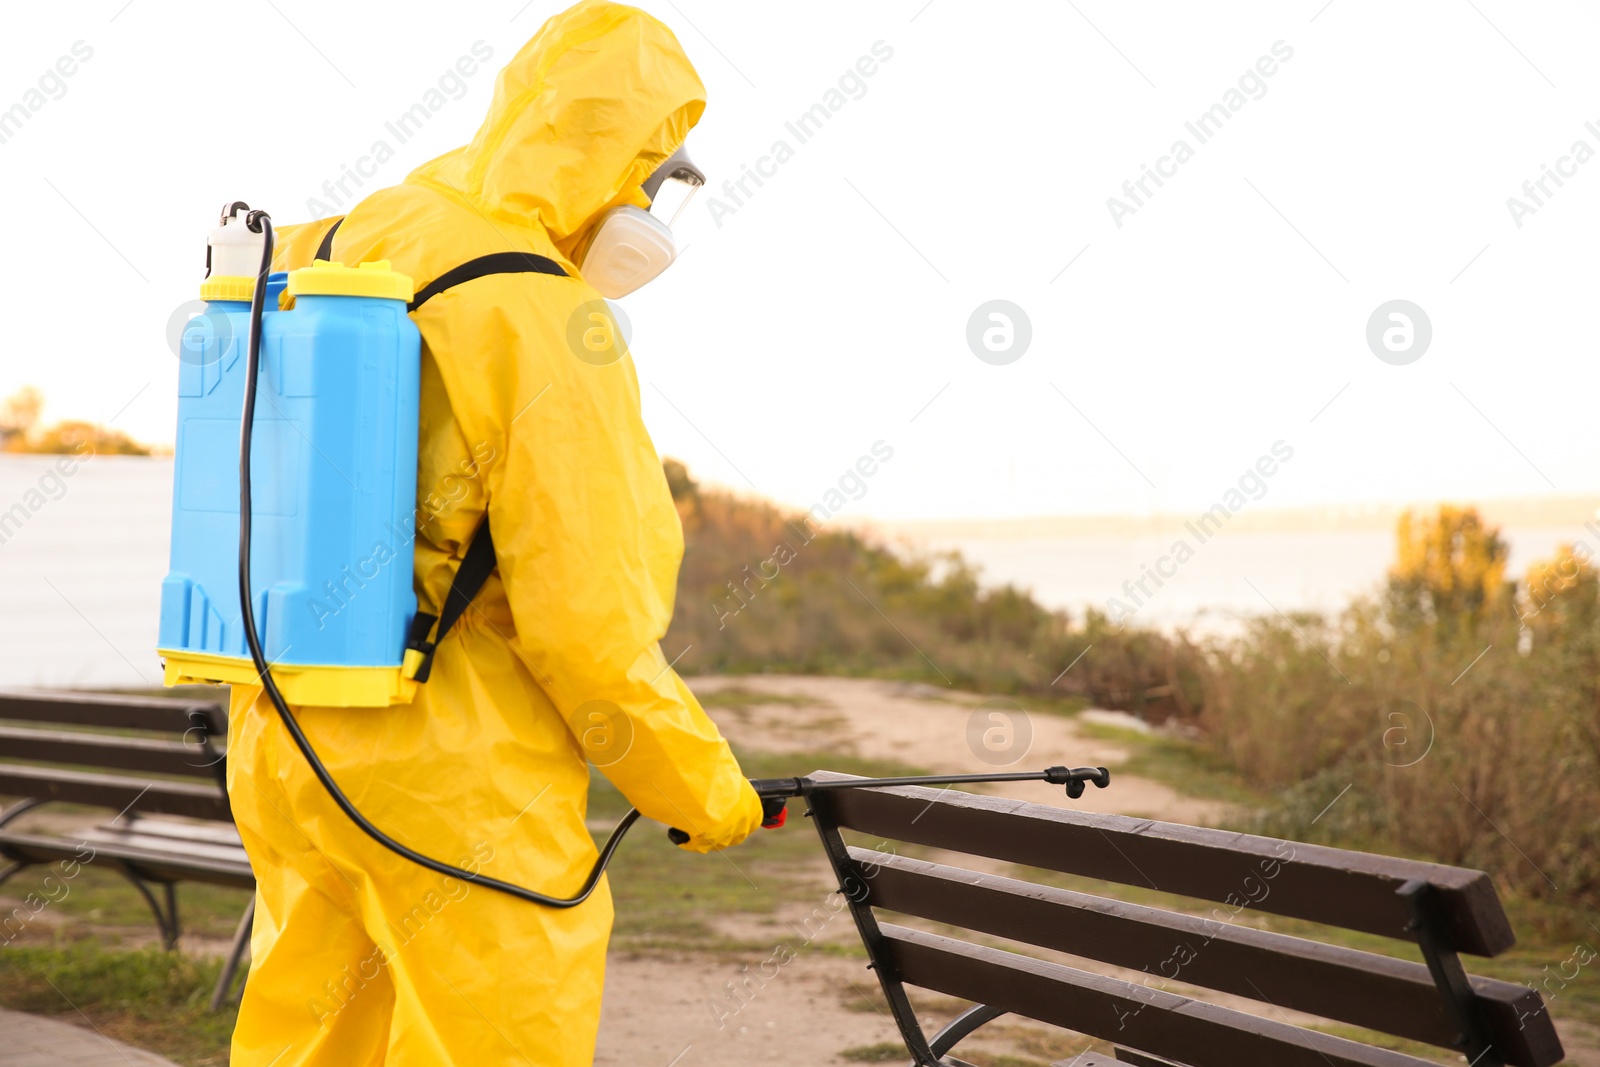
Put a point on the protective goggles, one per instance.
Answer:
(672, 185)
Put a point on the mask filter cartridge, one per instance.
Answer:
(631, 247)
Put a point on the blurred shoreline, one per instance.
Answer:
(84, 568)
(1552, 511)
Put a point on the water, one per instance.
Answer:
(1233, 576)
(82, 558)
(81, 563)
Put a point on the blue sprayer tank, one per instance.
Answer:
(333, 472)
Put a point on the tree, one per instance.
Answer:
(19, 412)
(74, 436)
(1562, 594)
(20, 432)
(1450, 569)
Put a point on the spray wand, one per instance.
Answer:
(774, 792)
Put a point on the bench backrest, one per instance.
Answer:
(1445, 910)
(79, 747)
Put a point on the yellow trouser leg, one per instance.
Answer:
(317, 994)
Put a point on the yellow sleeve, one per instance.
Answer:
(589, 544)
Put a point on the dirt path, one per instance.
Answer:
(798, 1000)
(940, 731)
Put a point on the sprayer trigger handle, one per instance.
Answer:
(774, 811)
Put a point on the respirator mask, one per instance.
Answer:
(632, 246)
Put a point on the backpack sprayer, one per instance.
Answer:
(349, 340)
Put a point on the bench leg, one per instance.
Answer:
(6, 874)
(18, 808)
(1427, 922)
(167, 920)
(961, 1026)
(241, 941)
(172, 916)
(6, 816)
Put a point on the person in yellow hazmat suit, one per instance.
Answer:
(358, 956)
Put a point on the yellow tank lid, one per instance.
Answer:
(373, 279)
(229, 287)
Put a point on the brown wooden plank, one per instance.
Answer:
(107, 750)
(112, 712)
(214, 833)
(1355, 890)
(1165, 1025)
(128, 836)
(117, 792)
(1361, 988)
(155, 865)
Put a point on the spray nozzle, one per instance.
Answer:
(233, 253)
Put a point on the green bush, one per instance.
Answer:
(1461, 710)
(1466, 727)
(762, 590)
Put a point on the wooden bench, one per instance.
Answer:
(144, 758)
(1441, 910)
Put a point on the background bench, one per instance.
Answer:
(157, 763)
(1442, 910)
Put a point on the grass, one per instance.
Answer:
(1188, 768)
(74, 959)
(101, 899)
(1028, 1044)
(882, 1052)
(145, 997)
(739, 697)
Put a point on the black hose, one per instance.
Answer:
(260, 222)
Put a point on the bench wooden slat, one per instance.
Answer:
(111, 712)
(1360, 988)
(131, 838)
(116, 792)
(1185, 1030)
(108, 750)
(155, 865)
(1354, 890)
(209, 832)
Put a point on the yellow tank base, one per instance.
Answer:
(321, 686)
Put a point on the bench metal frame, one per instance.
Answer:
(151, 870)
(1443, 909)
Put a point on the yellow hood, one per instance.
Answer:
(598, 99)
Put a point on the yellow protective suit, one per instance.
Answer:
(359, 957)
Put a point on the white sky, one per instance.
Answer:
(829, 310)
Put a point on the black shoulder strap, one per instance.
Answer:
(325, 249)
(483, 266)
(479, 561)
(476, 566)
